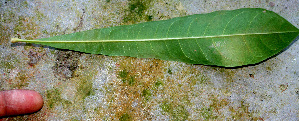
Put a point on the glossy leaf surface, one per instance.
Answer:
(226, 38)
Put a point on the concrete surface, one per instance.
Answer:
(79, 86)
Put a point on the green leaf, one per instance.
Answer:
(226, 38)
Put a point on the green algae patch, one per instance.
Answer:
(8, 64)
(158, 83)
(133, 98)
(84, 74)
(28, 24)
(177, 112)
(178, 89)
(54, 98)
(84, 88)
(208, 114)
(125, 117)
(152, 78)
(20, 81)
(169, 71)
(126, 78)
(136, 11)
(243, 112)
(213, 111)
(229, 74)
(146, 94)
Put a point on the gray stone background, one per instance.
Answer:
(79, 86)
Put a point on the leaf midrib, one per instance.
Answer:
(158, 39)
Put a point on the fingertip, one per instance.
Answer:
(37, 100)
(18, 102)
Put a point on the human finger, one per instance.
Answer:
(18, 102)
